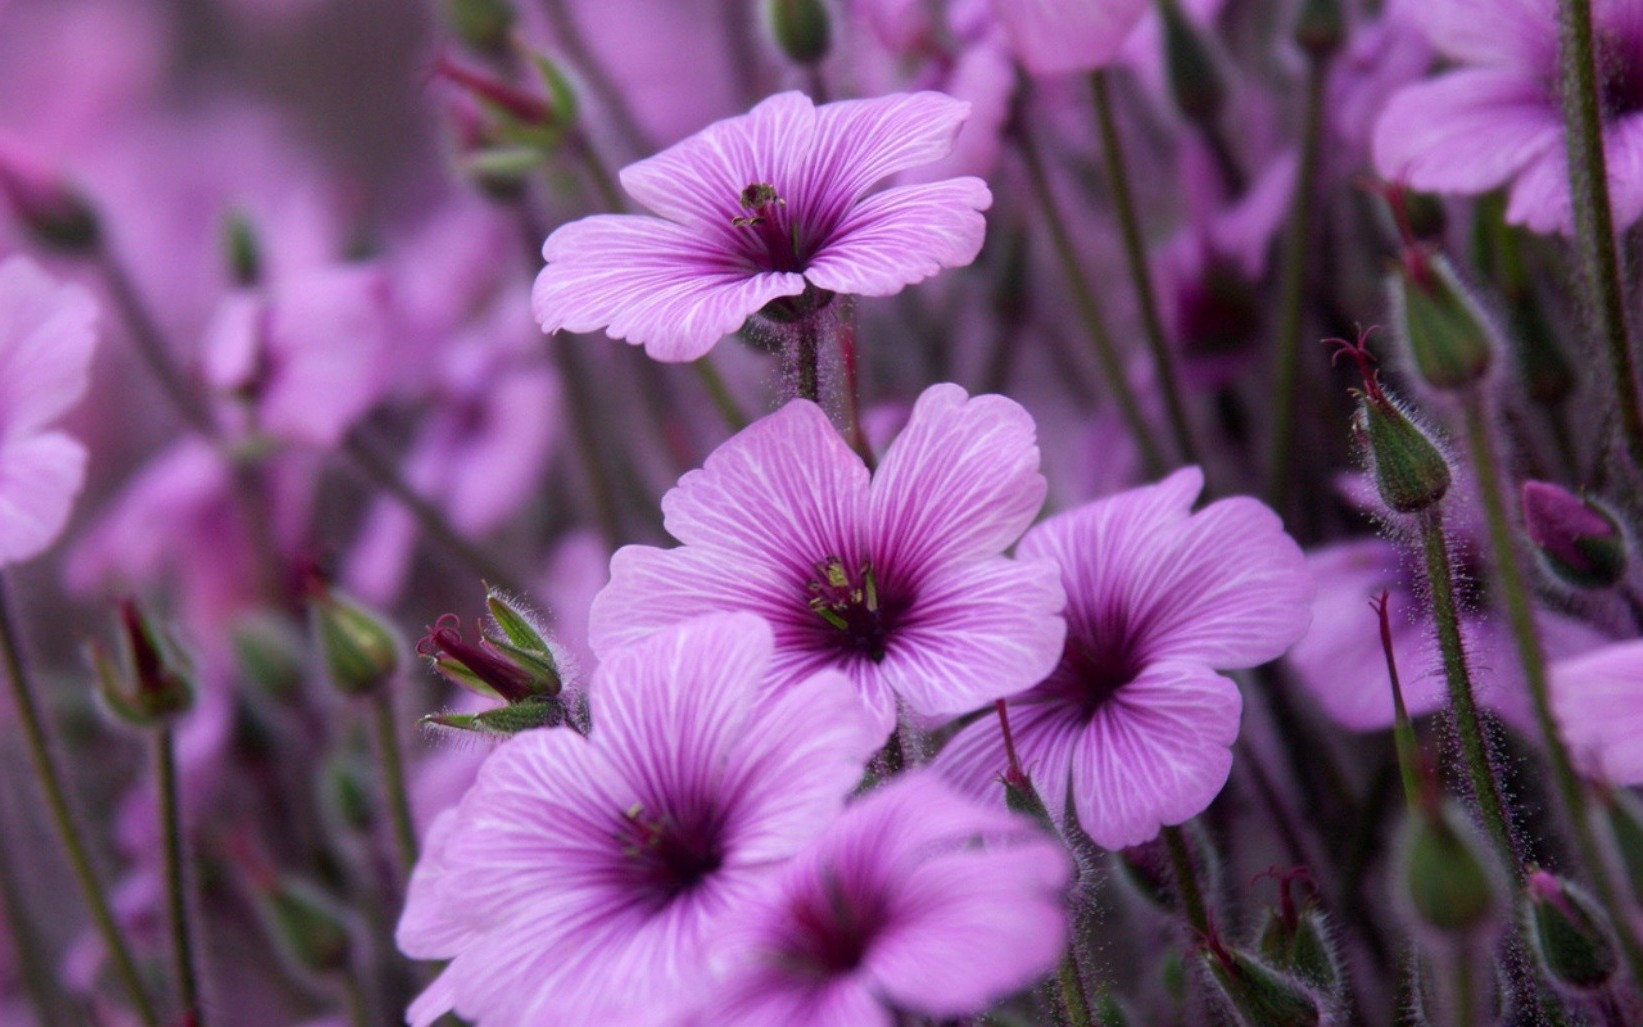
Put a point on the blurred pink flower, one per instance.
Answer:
(1136, 723)
(585, 880)
(893, 577)
(46, 341)
(918, 899)
(762, 207)
(1054, 36)
(1597, 700)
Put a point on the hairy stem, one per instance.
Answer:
(386, 729)
(176, 882)
(1186, 881)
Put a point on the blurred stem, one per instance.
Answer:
(1135, 252)
(569, 37)
(1089, 307)
(1457, 673)
(151, 345)
(1514, 591)
(718, 390)
(852, 390)
(1594, 217)
(584, 428)
(34, 962)
(171, 834)
(1073, 996)
(1297, 241)
(1465, 987)
(386, 729)
(381, 470)
(1186, 881)
(353, 997)
(51, 785)
(807, 357)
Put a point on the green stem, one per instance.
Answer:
(171, 833)
(807, 358)
(584, 428)
(1511, 578)
(1073, 996)
(1089, 308)
(1135, 252)
(1292, 297)
(1462, 697)
(353, 998)
(1186, 881)
(569, 37)
(393, 776)
(51, 784)
(1594, 217)
(1465, 987)
(718, 390)
(381, 470)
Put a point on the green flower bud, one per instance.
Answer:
(1578, 541)
(308, 925)
(1448, 334)
(1259, 995)
(1411, 473)
(482, 24)
(1109, 1012)
(1295, 939)
(1572, 936)
(243, 249)
(360, 650)
(801, 28)
(1194, 78)
(268, 649)
(152, 681)
(349, 792)
(1447, 880)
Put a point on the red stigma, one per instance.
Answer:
(1359, 352)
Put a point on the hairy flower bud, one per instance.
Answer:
(1578, 541)
(801, 28)
(1572, 936)
(1448, 334)
(269, 653)
(1259, 995)
(151, 682)
(1295, 939)
(1444, 874)
(1109, 1011)
(360, 650)
(51, 210)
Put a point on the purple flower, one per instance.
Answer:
(1054, 36)
(760, 208)
(894, 578)
(917, 899)
(46, 340)
(1496, 119)
(584, 880)
(1597, 700)
(1135, 722)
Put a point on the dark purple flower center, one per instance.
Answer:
(1620, 76)
(855, 615)
(1093, 670)
(830, 934)
(667, 856)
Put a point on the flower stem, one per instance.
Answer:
(35, 964)
(51, 784)
(1594, 217)
(1135, 252)
(569, 37)
(1457, 673)
(381, 470)
(807, 358)
(171, 833)
(1186, 881)
(1297, 242)
(1514, 591)
(1073, 996)
(852, 391)
(151, 345)
(718, 390)
(1089, 308)
(386, 729)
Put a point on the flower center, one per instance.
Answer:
(1092, 671)
(851, 606)
(669, 858)
(770, 234)
(1620, 78)
(830, 938)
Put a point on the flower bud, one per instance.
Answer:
(504, 721)
(1259, 995)
(308, 926)
(243, 249)
(1573, 937)
(360, 650)
(1411, 473)
(1445, 876)
(44, 204)
(152, 682)
(482, 24)
(1147, 868)
(1296, 940)
(801, 29)
(1109, 1011)
(1578, 541)
(347, 792)
(512, 661)
(1194, 78)
(268, 650)
(1448, 335)
(1320, 27)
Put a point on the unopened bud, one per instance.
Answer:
(1194, 78)
(1259, 995)
(1320, 27)
(268, 650)
(151, 682)
(1110, 1012)
(512, 660)
(1446, 878)
(801, 29)
(1448, 334)
(482, 24)
(1147, 868)
(348, 792)
(1296, 940)
(51, 210)
(1573, 937)
(360, 650)
(243, 249)
(1578, 541)
(309, 926)
(1411, 473)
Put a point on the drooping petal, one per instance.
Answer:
(39, 477)
(1467, 131)
(1598, 702)
(651, 282)
(46, 339)
(960, 482)
(903, 235)
(1054, 36)
(1157, 753)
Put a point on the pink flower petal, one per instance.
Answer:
(1503, 33)
(39, 477)
(1467, 131)
(903, 235)
(1598, 701)
(1054, 36)
(46, 340)
(859, 143)
(651, 282)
